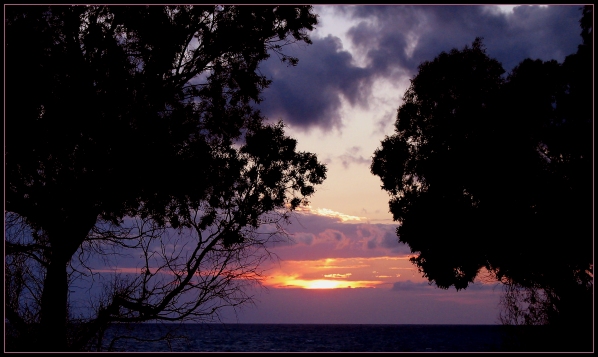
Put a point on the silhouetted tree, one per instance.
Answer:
(128, 123)
(495, 172)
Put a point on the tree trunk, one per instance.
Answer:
(65, 239)
(53, 337)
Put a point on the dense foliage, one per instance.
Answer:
(492, 171)
(120, 114)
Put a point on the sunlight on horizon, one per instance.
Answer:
(291, 282)
(335, 273)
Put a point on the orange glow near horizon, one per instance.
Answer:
(292, 282)
(337, 273)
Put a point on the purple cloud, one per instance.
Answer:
(316, 236)
(411, 286)
(531, 31)
(395, 39)
(309, 94)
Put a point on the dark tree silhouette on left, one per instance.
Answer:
(124, 122)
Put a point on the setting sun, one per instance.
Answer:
(292, 282)
(338, 273)
(324, 284)
(331, 284)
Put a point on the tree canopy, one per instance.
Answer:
(120, 114)
(492, 171)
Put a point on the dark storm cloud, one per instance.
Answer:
(531, 31)
(310, 93)
(394, 40)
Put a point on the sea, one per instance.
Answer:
(323, 338)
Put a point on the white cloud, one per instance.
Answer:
(325, 212)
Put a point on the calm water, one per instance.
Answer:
(314, 338)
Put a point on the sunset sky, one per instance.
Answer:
(346, 265)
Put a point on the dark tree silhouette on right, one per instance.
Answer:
(495, 172)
